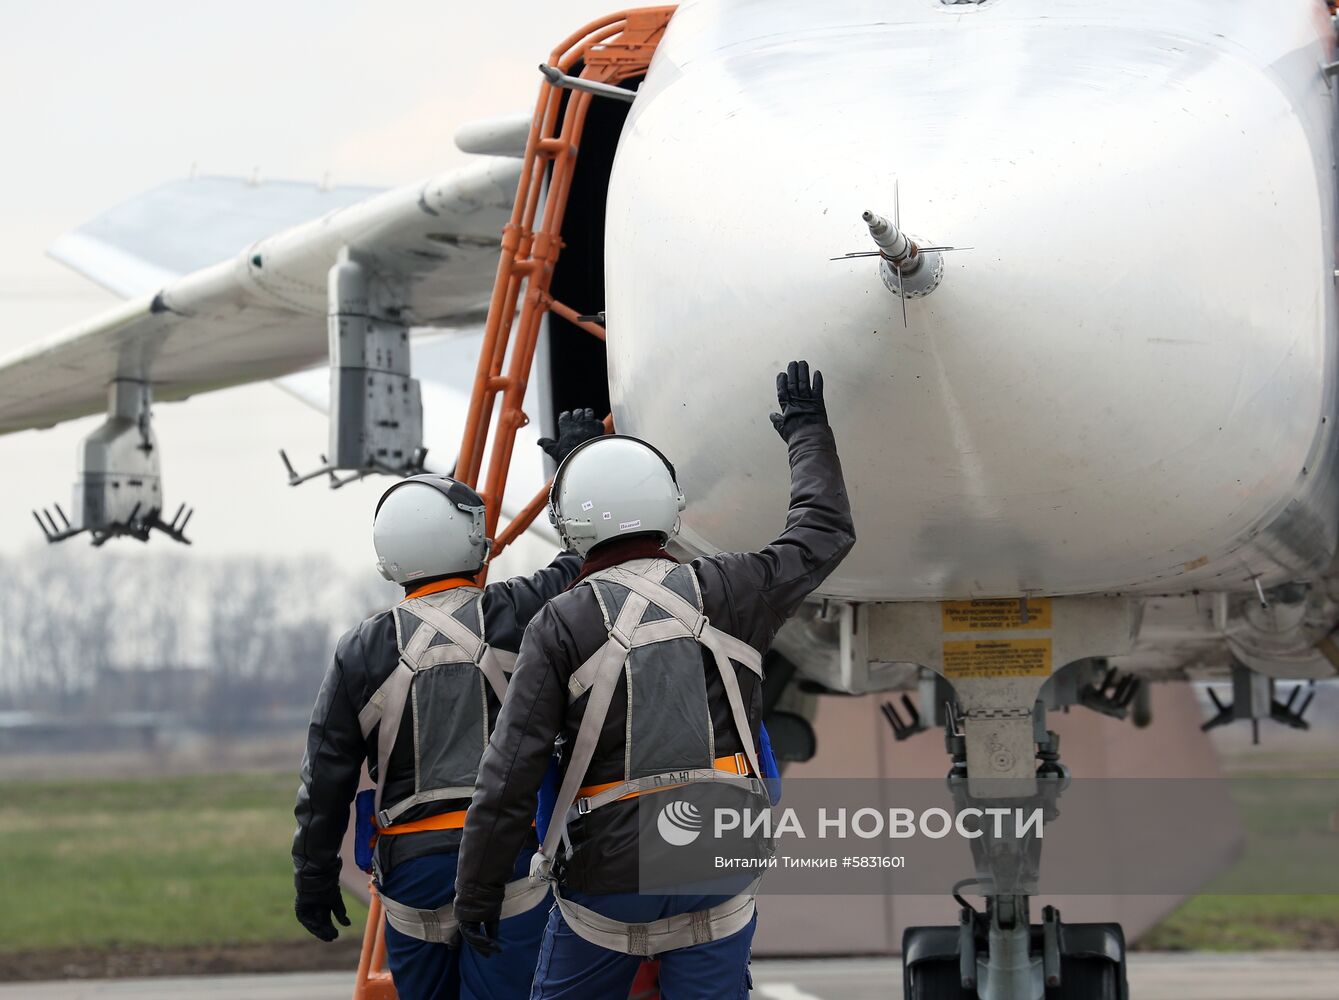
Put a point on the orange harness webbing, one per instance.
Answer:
(442, 821)
(736, 763)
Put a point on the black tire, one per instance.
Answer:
(937, 981)
(1088, 979)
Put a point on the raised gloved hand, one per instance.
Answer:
(315, 909)
(481, 935)
(575, 427)
(801, 402)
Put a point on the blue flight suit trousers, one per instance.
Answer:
(424, 970)
(572, 968)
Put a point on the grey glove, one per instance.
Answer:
(575, 427)
(801, 402)
(315, 910)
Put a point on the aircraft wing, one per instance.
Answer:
(260, 311)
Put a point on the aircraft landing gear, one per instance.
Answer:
(1079, 961)
(998, 953)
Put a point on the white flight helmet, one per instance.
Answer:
(429, 526)
(611, 487)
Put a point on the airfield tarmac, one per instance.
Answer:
(1190, 976)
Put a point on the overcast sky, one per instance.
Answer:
(104, 101)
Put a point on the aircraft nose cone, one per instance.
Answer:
(1081, 402)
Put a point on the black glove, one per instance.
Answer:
(575, 427)
(801, 403)
(314, 910)
(481, 935)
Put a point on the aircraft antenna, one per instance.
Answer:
(907, 268)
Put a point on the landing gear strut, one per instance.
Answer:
(376, 407)
(119, 490)
(998, 953)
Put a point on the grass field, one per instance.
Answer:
(1286, 802)
(166, 862)
(203, 861)
(1248, 923)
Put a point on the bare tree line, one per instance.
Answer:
(222, 640)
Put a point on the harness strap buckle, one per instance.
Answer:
(583, 805)
(620, 637)
(701, 625)
(639, 940)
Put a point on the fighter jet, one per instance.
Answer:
(1069, 270)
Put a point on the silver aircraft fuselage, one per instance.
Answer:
(1125, 384)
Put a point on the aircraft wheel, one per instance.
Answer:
(937, 981)
(1088, 979)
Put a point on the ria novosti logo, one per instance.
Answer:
(679, 823)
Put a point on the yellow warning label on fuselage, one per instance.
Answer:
(997, 658)
(996, 615)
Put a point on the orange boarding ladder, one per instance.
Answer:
(610, 51)
(373, 981)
